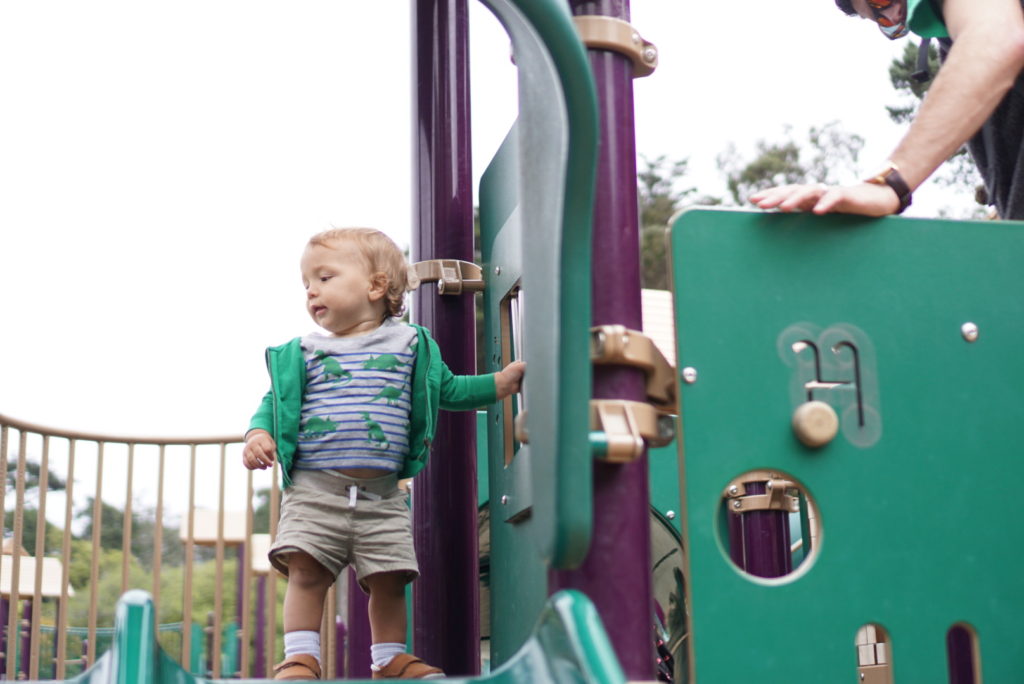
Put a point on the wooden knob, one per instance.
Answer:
(815, 423)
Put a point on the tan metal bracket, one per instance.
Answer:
(609, 33)
(453, 277)
(616, 344)
(627, 425)
(777, 496)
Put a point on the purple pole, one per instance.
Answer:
(960, 655)
(619, 559)
(259, 669)
(446, 630)
(5, 607)
(358, 656)
(765, 539)
(26, 637)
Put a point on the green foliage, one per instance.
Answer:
(660, 197)
(901, 72)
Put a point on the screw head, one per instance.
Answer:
(734, 490)
(504, 499)
(689, 375)
(969, 331)
(650, 54)
(671, 515)
(737, 504)
(497, 270)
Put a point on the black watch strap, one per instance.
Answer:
(891, 176)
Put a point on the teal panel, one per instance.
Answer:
(911, 491)
(536, 206)
(536, 200)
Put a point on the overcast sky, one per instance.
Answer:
(163, 163)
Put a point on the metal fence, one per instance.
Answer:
(65, 493)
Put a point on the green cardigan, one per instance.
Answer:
(434, 387)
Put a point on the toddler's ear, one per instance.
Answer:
(378, 285)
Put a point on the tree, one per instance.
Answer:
(660, 197)
(833, 156)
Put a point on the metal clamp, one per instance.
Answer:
(608, 33)
(616, 344)
(626, 425)
(775, 498)
(453, 277)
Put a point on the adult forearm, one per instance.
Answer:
(986, 57)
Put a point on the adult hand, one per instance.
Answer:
(866, 199)
(259, 450)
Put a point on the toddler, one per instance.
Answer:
(349, 412)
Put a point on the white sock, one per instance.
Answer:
(302, 642)
(383, 652)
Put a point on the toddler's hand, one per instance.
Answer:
(259, 450)
(509, 379)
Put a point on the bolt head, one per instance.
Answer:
(504, 499)
(737, 504)
(497, 270)
(671, 515)
(969, 331)
(734, 490)
(650, 54)
(689, 375)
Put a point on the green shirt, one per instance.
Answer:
(923, 19)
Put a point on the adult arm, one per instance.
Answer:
(986, 57)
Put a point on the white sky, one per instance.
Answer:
(162, 164)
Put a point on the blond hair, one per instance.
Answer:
(381, 256)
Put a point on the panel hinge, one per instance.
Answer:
(618, 345)
(779, 495)
(623, 427)
(453, 277)
(608, 33)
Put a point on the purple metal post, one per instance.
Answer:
(26, 637)
(5, 607)
(446, 630)
(765, 539)
(619, 559)
(960, 655)
(358, 656)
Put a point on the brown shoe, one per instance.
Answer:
(406, 666)
(302, 666)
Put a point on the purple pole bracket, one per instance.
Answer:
(446, 630)
(620, 553)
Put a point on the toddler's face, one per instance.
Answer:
(340, 295)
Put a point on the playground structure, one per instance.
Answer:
(846, 393)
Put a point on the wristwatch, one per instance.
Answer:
(890, 176)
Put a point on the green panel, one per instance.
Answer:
(536, 204)
(536, 201)
(910, 501)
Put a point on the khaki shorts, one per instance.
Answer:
(373, 536)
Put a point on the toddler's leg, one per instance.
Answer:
(308, 582)
(387, 630)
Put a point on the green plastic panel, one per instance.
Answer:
(916, 493)
(568, 644)
(536, 201)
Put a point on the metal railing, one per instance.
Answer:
(74, 480)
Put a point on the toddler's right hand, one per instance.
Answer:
(259, 450)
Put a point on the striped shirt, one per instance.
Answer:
(355, 413)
